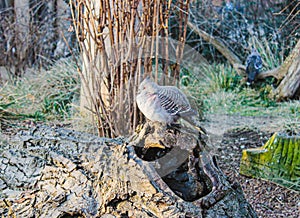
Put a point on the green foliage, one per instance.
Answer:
(185, 76)
(271, 53)
(221, 90)
(295, 109)
(292, 127)
(58, 104)
(4, 105)
(257, 97)
(222, 78)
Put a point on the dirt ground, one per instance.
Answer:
(229, 135)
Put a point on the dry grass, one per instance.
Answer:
(44, 95)
(53, 96)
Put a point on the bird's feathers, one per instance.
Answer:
(165, 104)
(253, 65)
(173, 100)
(255, 59)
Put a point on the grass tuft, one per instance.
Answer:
(45, 95)
(221, 90)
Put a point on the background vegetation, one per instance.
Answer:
(41, 83)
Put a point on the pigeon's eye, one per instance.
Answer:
(141, 88)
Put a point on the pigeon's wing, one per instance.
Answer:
(173, 100)
(258, 62)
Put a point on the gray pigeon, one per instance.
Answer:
(253, 66)
(165, 104)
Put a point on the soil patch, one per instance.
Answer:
(230, 135)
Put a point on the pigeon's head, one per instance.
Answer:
(147, 85)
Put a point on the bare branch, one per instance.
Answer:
(219, 45)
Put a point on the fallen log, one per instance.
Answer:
(288, 73)
(158, 172)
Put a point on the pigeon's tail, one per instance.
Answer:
(201, 130)
(194, 121)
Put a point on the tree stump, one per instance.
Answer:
(53, 172)
(277, 161)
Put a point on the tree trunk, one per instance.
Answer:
(56, 173)
(280, 72)
(22, 40)
(289, 87)
(277, 161)
(65, 41)
(31, 33)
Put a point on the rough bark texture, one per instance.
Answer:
(280, 72)
(48, 172)
(277, 161)
(289, 87)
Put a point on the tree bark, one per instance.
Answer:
(277, 161)
(289, 87)
(281, 71)
(65, 45)
(21, 44)
(49, 172)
